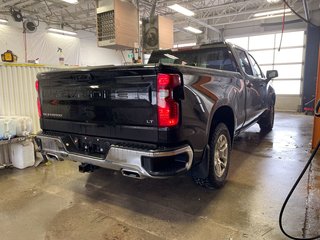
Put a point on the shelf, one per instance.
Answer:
(14, 140)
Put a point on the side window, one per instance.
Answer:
(255, 67)
(169, 57)
(244, 62)
(217, 58)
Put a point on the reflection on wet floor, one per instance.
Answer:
(55, 201)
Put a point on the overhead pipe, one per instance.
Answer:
(153, 10)
(306, 9)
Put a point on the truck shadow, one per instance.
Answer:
(179, 199)
(176, 199)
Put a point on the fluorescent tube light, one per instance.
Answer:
(71, 1)
(273, 1)
(54, 30)
(181, 9)
(192, 29)
(280, 11)
(3, 21)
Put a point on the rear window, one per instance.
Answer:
(215, 58)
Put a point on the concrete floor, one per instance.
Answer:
(55, 201)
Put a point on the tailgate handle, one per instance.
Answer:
(82, 77)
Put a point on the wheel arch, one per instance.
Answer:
(223, 114)
(271, 96)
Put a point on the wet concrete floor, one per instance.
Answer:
(55, 201)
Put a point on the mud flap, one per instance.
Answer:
(202, 169)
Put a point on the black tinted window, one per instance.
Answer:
(216, 58)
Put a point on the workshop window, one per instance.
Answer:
(288, 61)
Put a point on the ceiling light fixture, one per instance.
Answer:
(273, 1)
(60, 31)
(182, 10)
(71, 1)
(3, 21)
(193, 30)
(270, 13)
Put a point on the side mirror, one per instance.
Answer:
(272, 74)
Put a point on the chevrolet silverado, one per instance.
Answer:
(177, 114)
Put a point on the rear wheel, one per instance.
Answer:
(219, 158)
(267, 120)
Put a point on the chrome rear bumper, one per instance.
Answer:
(118, 158)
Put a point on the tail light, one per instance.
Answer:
(168, 108)
(38, 99)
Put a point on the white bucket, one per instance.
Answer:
(22, 154)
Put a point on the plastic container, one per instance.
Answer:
(2, 128)
(10, 127)
(61, 56)
(22, 154)
(23, 125)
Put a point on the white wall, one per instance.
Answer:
(11, 39)
(77, 50)
(91, 55)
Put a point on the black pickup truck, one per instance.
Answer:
(177, 114)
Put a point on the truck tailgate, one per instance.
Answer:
(112, 102)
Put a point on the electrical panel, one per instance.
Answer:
(117, 24)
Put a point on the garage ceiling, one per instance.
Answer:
(211, 14)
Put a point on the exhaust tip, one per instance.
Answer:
(130, 173)
(52, 156)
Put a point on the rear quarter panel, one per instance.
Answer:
(205, 91)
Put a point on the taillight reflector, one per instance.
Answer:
(37, 85)
(39, 107)
(168, 108)
(38, 99)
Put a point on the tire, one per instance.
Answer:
(267, 120)
(219, 158)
